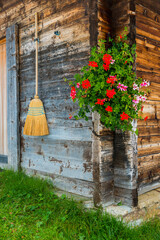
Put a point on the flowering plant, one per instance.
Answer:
(108, 85)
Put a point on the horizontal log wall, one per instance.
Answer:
(66, 154)
(104, 18)
(148, 67)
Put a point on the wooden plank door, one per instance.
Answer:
(3, 104)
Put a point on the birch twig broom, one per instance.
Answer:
(36, 123)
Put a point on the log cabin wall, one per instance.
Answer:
(148, 67)
(66, 154)
(76, 159)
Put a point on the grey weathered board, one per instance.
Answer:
(66, 153)
(13, 97)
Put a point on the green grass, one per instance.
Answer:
(30, 210)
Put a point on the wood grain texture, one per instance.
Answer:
(102, 145)
(13, 96)
(66, 152)
(125, 167)
(104, 19)
(125, 144)
(148, 67)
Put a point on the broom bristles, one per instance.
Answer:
(36, 122)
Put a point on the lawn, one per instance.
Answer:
(30, 210)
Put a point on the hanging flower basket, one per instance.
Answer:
(108, 85)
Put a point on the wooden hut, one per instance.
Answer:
(80, 157)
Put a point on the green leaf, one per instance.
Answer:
(136, 132)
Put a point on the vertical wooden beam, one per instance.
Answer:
(125, 167)
(125, 144)
(93, 30)
(13, 97)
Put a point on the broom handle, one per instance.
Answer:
(36, 39)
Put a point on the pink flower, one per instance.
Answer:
(122, 87)
(78, 85)
(144, 84)
(144, 99)
(139, 99)
(135, 86)
(135, 101)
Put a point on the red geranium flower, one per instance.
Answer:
(73, 93)
(92, 64)
(100, 101)
(112, 79)
(125, 62)
(124, 116)
(145, 119)
(86, 84)
(106, 67)
(110, 93)
(107, 58)
(109, 109)
(120, 36)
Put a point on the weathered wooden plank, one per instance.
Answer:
(150, 4)
(149, 131)
(104, 19)
(125, 167)
(13, 96)
(147, 13)
(127, 196)
(59, 57)
(148, 151)
(148, 140)
(77, 186)
(68, 158)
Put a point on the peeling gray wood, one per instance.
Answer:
(69, 184)
(13, 97)
(125, 167)
(66, 151)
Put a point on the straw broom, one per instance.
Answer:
(36, 123)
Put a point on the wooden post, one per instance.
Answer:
(13, 97)
(125, 167)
